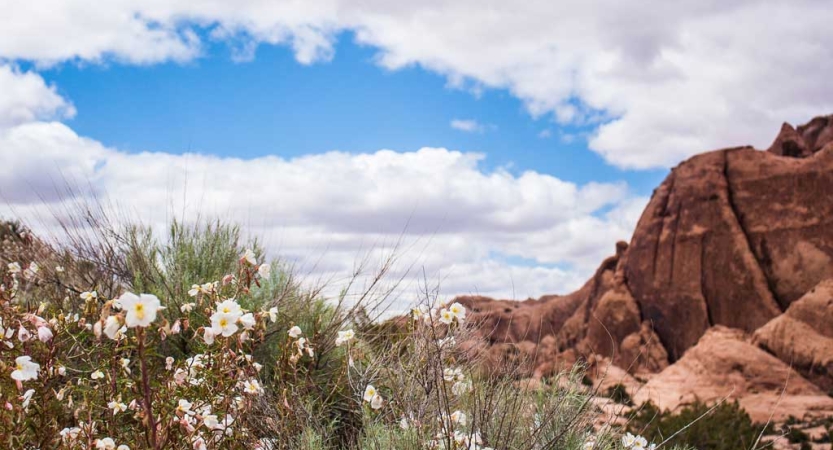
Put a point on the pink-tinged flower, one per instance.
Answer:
(44, 334)
(23, 335)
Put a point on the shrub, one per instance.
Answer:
(118, 339)
(619, 394)
(722, 427)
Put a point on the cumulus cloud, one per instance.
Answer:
(26, 97)
(459, 223)
(467, 125)
(655, 81)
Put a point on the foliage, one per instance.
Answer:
(723, 427)
(116, 338)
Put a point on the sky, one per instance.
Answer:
(505, 148)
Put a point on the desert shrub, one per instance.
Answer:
(619, 394)
(118, 338)
(723, 427)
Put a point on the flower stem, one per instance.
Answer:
(146, 389)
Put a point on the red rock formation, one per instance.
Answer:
(731, 237)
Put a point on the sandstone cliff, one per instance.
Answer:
(738, 238)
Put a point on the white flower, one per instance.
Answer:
(44, 334)
(97, 375)
(223, 324)
(294, 332)
(249, 257)
(176, 327)
(14, 268)
(23, 334)
(210, 420)
(141, 309)
(89, 296)
(419, 312)
(458, 310)
(641, 441)
(264, 270)
(588, 445)
(403, 423)
(230, 307)
(70, 434)
(31, 271)
(117, 406)
(122, 447)
(369, 393)
(273, 314)
(344, 337)
(208, 288)
(105, 444)
(27, 397)
(184, 406)
(125, 364)
(186, 308)
(628, 440)
(257, 366)
(446, 316)
(25, 369)
(195, 289)
(458, 417)
(248, 321)
(252, 387)
(59, 269)
(62, 370)
(169, 363)
(111, 327)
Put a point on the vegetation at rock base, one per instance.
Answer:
(115, 338)
(725, 426)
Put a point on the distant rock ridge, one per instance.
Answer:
(731, 238)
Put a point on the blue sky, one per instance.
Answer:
(274, 105)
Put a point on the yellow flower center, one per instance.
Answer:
(140, 311)
(223, 322)
(20, 367)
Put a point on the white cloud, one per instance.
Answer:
(459, 222)
(544, 134)
(467, 125)
(25, 97)
(660, 80)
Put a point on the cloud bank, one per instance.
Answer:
(656, 81)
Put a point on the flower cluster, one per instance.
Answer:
(633, 442)
(454, 313)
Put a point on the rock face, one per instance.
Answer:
(803, 335)
(736, 238)
(724, 363)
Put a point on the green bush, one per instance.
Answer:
(722, 427)
(619, 394)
